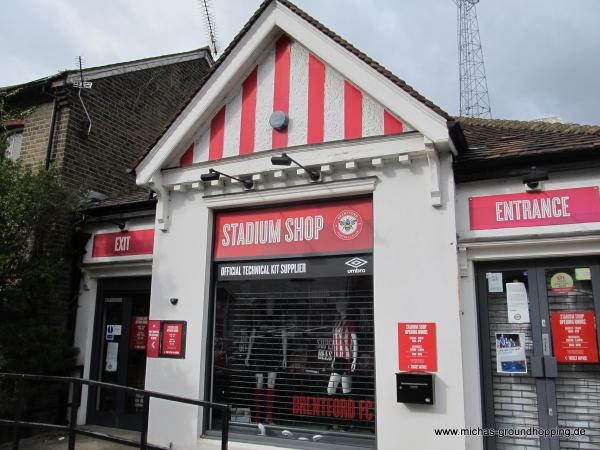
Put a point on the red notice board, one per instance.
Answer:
(574, 337)
(139, 333)
(173, 339)
(417, 347)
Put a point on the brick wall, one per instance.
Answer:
(127, 112)
(36, 130)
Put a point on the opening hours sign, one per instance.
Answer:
(417, 347)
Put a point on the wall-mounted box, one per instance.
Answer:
(415, 387)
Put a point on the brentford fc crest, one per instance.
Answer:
(347, 224)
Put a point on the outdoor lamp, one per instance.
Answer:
(286, 160)
(214, 175)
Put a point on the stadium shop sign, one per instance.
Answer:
(320, 228)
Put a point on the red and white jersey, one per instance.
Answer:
(342, 339)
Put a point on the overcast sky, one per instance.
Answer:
(542, 57)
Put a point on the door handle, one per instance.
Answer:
(550, 367)
(537, 366)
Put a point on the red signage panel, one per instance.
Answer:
(153, 342)
(574, 337)
(331, 227)
(139, 333)
(173, 339)
(559, 207)
(124, 243)
(417, 347)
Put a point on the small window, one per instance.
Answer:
(13, 150)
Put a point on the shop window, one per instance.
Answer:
(294, 357)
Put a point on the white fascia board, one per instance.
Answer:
(308, 155)
(533, 247)
(341, 188)
(205, 102)
(119, 69)
(399, 102)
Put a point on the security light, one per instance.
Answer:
(286, 160)
(283, 160)
(214, 175)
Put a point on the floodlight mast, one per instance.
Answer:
(474, 96)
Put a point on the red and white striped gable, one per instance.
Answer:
(321, 104)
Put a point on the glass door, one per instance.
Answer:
(120, 346)
(570, 295)
(539, 350)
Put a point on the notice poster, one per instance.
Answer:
(139, 331)
(112, 354)
(417, 347)
(495, 282)
(517, 303)
(561, 282)
(173, 339)
(574, 337)
(510, 353)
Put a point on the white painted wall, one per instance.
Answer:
(558, 180)
(415, 280)
(181, 269)
(517, 243)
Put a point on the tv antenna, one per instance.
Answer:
(474, 96)
(82, 84)
(209, 24)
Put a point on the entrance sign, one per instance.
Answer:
(319, 228)
(153, 343)
(173, 339)
(574, 337)
(125, 243)
(417, 347)
(559, 207)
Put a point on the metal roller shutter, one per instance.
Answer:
(323, 329)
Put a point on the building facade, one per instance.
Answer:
(319, 228)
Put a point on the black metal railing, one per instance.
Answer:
(71, 428)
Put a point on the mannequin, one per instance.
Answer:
(345, 351)
(267, 353)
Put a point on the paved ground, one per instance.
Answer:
(59, 441)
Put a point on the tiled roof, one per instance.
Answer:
(492, 138)
(362, 56)
(493, 143)
(129, 198)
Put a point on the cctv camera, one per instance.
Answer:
(533, 178)
(174, 301)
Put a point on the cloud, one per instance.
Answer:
(541, 56)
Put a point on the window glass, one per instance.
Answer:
(13, 151)
(297, 357)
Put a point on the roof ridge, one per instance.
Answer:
(532, 125)
(311, 20)
(364, 57)
(67, 72)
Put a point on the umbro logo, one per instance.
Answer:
(355, 263)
